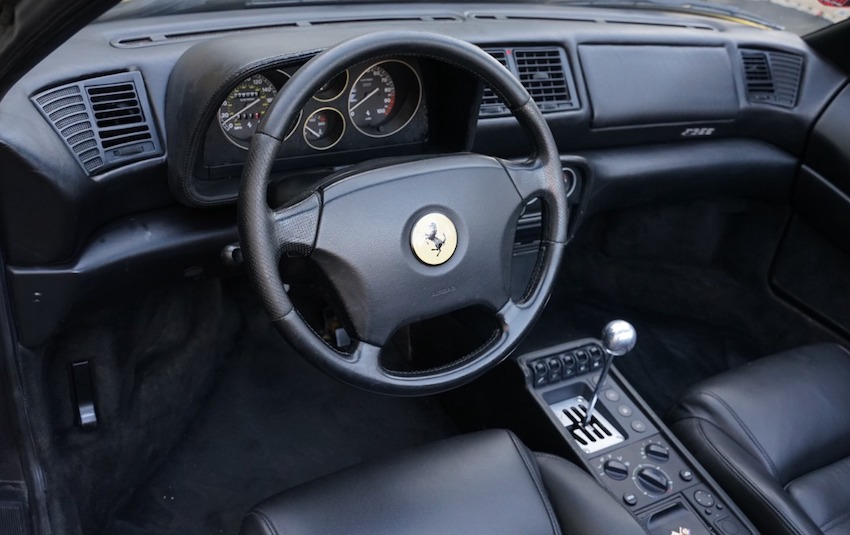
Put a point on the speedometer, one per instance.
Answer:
(372, 98)
(244, 108)
(384, 98)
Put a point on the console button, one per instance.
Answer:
(539, 373)
(569, 362)
(595, 357)
(615, 470)
(582, 361)
(555, 369)
(612, 395)
(624, 410)
(704, 498)
(686, 475)
(629, 499)
(657, 452)
(729, 526)
(639, 426)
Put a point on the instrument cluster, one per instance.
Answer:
(364, 103)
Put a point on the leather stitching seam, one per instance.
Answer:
(742, 479)
(773, 471)
(537, 483)
(835, 522)
(259, 515)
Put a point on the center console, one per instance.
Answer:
(625, 445)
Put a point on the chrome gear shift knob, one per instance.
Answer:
(618, 338)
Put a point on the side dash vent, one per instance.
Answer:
(491, 104)
(772, 77)
(106, 122)
(545, 74)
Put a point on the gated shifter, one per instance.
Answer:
(618, 338)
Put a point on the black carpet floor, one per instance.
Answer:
(271, 423)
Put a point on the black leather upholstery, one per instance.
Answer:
(486, 483)
(776, 435)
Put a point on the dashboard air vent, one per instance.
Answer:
(492, 105)
(772, 77)
(105, 122)
(545, 74)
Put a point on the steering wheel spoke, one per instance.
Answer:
(528, 178)
(295, 226)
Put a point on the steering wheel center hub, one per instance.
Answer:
(434, 239)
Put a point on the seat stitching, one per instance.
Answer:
(766, 458)
(742, 479)
(265, 520)
(835, 522)
(537, 483)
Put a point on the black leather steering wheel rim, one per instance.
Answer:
(266, 234)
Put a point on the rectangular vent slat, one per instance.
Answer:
(491, 104)
(104, 121)
(544, 74)
(772, 77)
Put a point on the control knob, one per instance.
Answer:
(653, 480)
(615, 470)
(657, 452)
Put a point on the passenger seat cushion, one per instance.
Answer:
(773, 431)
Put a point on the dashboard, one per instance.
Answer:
(122, 151)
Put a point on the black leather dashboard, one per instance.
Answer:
(665, 106)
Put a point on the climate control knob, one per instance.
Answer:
(652, 480)
(657, 452)
(615, 470)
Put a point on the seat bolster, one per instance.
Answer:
(825, 495)
(744, 477)
(578, 500)
(789, 410)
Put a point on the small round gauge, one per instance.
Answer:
(384, 98)
(332, 89)
(324, 128)
(241, 112)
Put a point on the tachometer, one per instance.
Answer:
(241, 112)
(384, 98)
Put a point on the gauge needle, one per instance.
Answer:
(240, 112)
(307, 128)
(365, 99)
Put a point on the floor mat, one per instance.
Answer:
(272, 423)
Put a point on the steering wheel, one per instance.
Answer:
(405, 241)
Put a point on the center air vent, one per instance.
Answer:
(772, 77)
(544, 73)
(105, 121)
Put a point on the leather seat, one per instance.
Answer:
(487, 483)
(776, 435)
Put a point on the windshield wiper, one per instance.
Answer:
(677, 5)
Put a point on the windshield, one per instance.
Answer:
(797, 16)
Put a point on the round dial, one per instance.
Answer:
(372, 98)
(245, 106)
(324, 128)
(333, 88)
(652, 480)
(384, 98)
